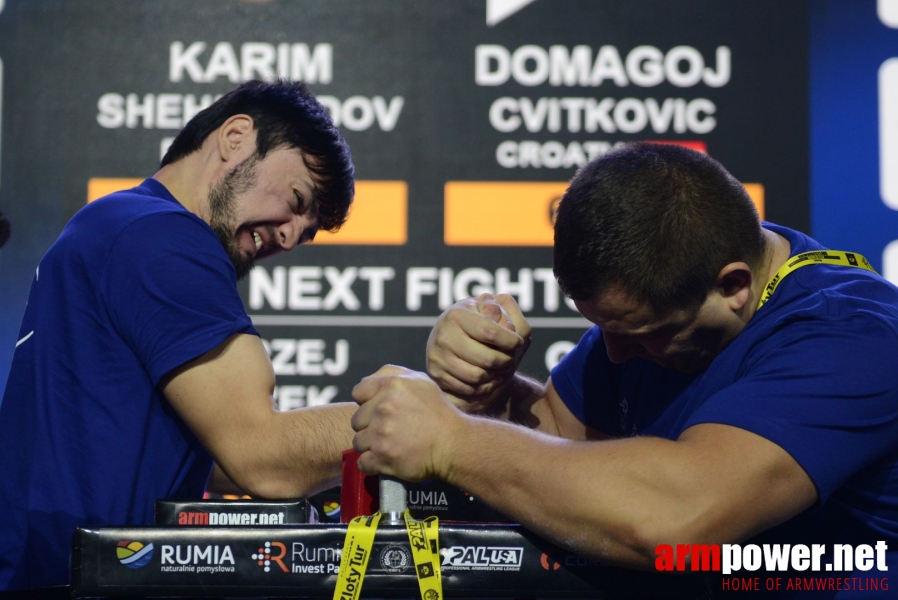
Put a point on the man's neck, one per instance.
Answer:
(172, 177)
(776, 253)
(189, 179)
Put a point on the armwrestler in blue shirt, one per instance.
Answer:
(137, 364)
(691, 413)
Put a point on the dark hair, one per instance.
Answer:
(286, 115)
(659, 220)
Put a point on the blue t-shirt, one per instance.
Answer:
(134, 287)
(814, 371)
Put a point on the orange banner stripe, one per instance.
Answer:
(379, 216)
(756, 192)
(493, 213)
(379, 213)
(97, 187)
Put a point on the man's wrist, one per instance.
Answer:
(511, 402)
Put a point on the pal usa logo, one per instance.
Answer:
(134, 555)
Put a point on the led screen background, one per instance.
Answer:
(463, 131)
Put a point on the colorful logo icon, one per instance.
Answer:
(271, 552)
(332, 510)
(134, 555)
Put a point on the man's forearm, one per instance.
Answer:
(617, 500)
(543, 482)
(297, 454)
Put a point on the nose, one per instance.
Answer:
(621, 348)
(287, 236)
(295, 232)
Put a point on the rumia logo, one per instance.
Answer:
(134, 555)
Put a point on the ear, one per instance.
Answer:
(734, 284)
(236, 138)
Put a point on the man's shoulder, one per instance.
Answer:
(831, 290)
(126, 207)
(130, 217)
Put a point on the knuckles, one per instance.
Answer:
(460, 310)
(490, 334)
(498, 362)
(366, 465)
(491, 311)
(387, 407)
(495, 334)
(456, 386)
(484, 377)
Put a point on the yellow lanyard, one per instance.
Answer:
(356, 552)
(424, 543)
(828, 257)
(424, 540)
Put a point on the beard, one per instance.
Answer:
(222, 212)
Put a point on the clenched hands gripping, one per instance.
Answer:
(474, 350)
(405, 422)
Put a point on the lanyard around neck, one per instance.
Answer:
(828, 257)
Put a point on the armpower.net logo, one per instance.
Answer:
(784, 566)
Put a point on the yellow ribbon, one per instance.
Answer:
(829, 257)
(424, 541)
(356, 554)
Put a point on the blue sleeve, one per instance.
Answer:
(171, 291)
(825, 392)
(587, 382)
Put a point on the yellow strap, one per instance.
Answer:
(424, 540)
(356, 553)
(829, 257)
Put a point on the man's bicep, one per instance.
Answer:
(826, 394)
(227, 389)
(747, 483)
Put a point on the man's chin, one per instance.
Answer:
(243, 266)
(243, 262)
(242, 272)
